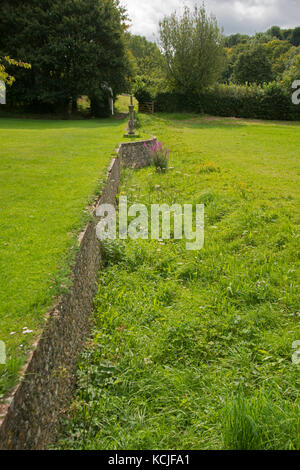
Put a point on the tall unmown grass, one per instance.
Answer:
(193, 350)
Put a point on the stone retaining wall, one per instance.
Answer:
(135, 154)
(29, 418)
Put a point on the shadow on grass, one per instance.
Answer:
(196, 121)
(14, 123)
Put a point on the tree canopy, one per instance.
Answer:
(253, 66)
(149, 66)
(82, 47)
(193, 48)
(250, 58)
(74, 47)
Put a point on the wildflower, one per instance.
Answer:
(159, 155)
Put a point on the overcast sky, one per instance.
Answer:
(236, 16)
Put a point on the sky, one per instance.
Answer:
(236, 16)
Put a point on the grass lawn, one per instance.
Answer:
(49, 172)
(193, 350)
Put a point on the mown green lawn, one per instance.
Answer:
(49, 172)
(193, 350)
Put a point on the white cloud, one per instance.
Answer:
(243, 16)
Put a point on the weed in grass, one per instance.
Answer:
(159, 155)
(207, 167)
(113, 252)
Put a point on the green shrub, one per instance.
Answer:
(143, 95)
(113, 252)
(174, 102)
(270, 101)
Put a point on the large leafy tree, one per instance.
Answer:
(193, 47)
(292, 69)
(74, 46)
(295, 38)
(235, 39)
(149, 66)
(275, 32)
(278, 51)
(253, 66)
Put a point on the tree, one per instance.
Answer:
(150, 70)
(287, 34)
(232, 54)
(193, 47)
(278, 53)
(253, 66)
(260, 38)
(235, 39)
(292, 67)
(275, 32)
(295, 38)
(74, 46)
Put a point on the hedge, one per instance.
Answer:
(271, 101)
